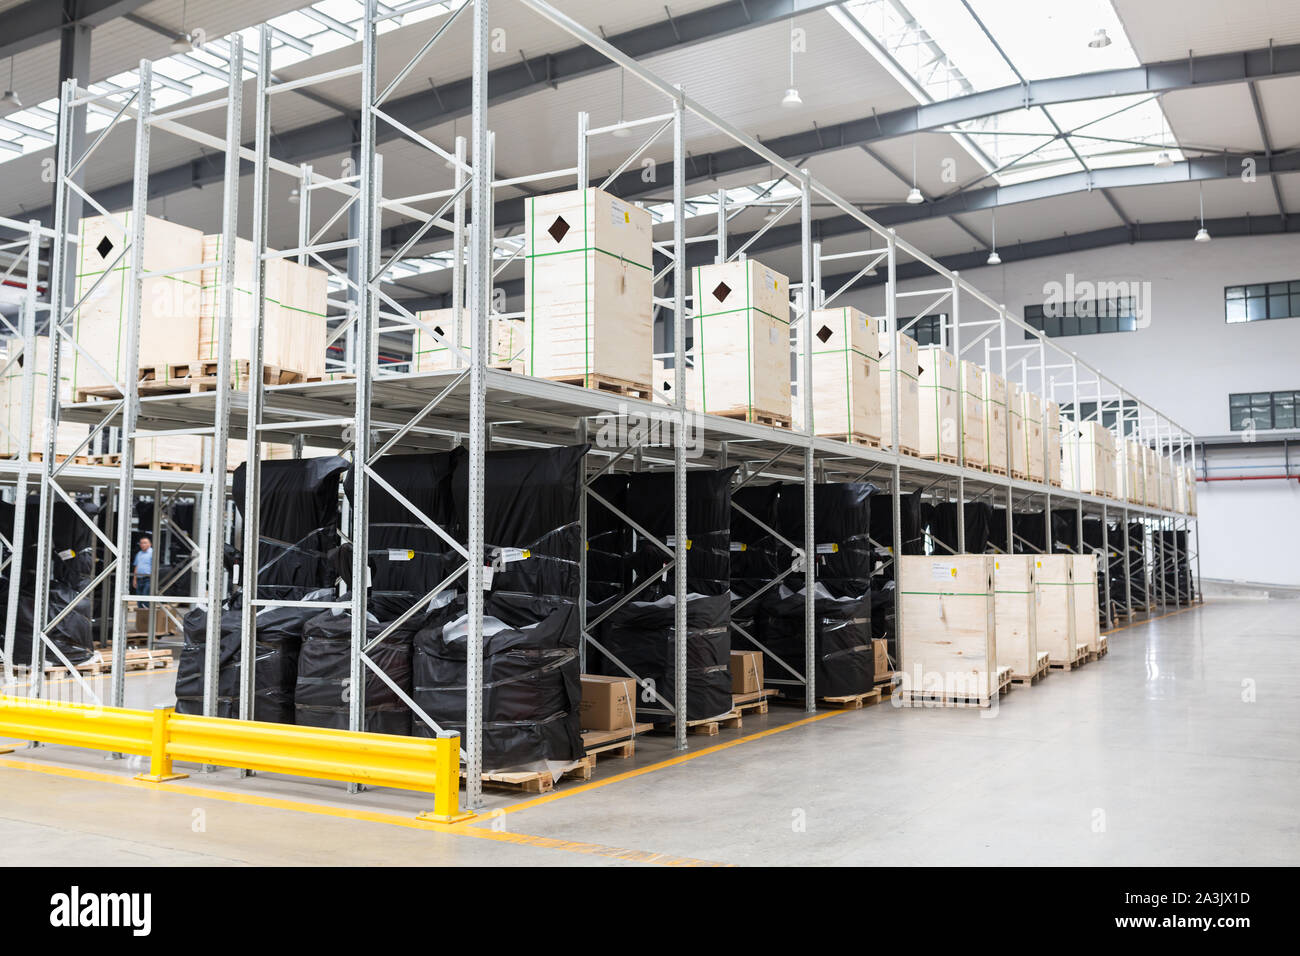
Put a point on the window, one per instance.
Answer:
(1257, 411)
(928, 330)
(1110, 413)
(1084, 317)
(1264, 300)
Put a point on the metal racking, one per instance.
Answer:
(377, 411)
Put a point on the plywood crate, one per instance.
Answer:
(1166, 483)
(742, 341)
(938, 403)
(1191, 490)
(588, 300)
(995, 422)
(1087, 620)
(293, 340)
(16, 416)
(508, 338)
(1052, 428)
(1019, 459)
(1092, 440)
(169, 304)
(949, 642)
(1016, 613)
(1055, 612)
(1031, 408)
(1150, 478)
(973, 427)
(1128, 472)
(845, 376)
(909, 396)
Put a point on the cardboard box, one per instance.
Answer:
(881, 648)
(608, 703)
(746, 672)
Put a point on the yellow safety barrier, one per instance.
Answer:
(380, 760)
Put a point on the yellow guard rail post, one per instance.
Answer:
(430, 765)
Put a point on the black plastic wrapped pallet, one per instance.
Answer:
(1137, 561)
(531, 685)
(321, 692)
(608, 539)
(276, 650)
(642, 635)
(943, 526)
(71, 566)
(1173, 578)
(298, 524)
(708, 529)
(407, 556)
(841, 530)
(882, 525)
(755, 552)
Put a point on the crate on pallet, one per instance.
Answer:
(169, 303)
(1015, 613)
(588, 298)
(1052, 428)
(1087, 619)
(1016, 412)
(16, 415)
(1128, 471)
(1187, 490)
(1150, 478)
(1089, 447)
(1031, 409)
(1166, 472)
(948, 639)
(909, 396)
(508, 340)
(973, 427)
(742, 341)
(293, 341)
(845, 376)
(938, 403)
(1055, 613)
(995, 422)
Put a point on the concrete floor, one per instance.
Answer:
(1149, 756)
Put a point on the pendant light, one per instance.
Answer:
(11, 98)
(914, 197)
(1202, 234)
(995, 259)
(791, 100)
(1099, 39)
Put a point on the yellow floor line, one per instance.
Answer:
(366, 816)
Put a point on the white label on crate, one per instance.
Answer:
(862, 321)
(942, 572)
(618, 214)
(773, 336)
(828, 549)
(738, 546)
(997, 567)
(67, 555)
(507, 555)
(770, 279)
(400, 554)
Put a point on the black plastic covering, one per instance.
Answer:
(942, 519)
(756, 553)
(641, 632)
(1173, 578)
(298, 528)
(842, 600)
(71, 568)
(532, 690)
(275, 654)
(322, 687)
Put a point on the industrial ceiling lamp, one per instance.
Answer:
(1099, 39)
(294, 196)
(184, 41)
(11, 98)
(622, 131)
(1163, 159)
(914, 197)
(995, 259)
(792, 100)
(1202, 234)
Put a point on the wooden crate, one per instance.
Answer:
(169, 304)
(949, 645)
(845, 376)
(1015, 612)
(1166, 472)
(1092, 441)
(1016, 411)
(973, 427)
(508, 338)
(909, 397)
(938, 403)
(1128, 471)
(1052, 428)
(742, 340)
(1031, 409)
(1087, 619)
(1150, 478)
(16, 415)
(587, 289)
(1055, 613)
(294, 325)
(995, 422)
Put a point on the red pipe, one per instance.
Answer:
(1252, 478)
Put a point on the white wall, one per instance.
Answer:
(1185, 363)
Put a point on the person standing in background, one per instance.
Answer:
(142, 568)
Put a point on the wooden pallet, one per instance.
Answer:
(145, 387)
(613, 743)
(909, 451)
(996, 470)
(709, 726)
(855, 439)
(1041, 670)
(1055, 483)
(949, 459)
(537, 781)
(1019, 475)
(1080, 658)
(178, 466)
(605, 383)
(137, 659)
(756, 701)
(39, 456)
(853, 701)
(202, 376)
(913, 698)
(751, 415)
(1102, 650)
(885, 684)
